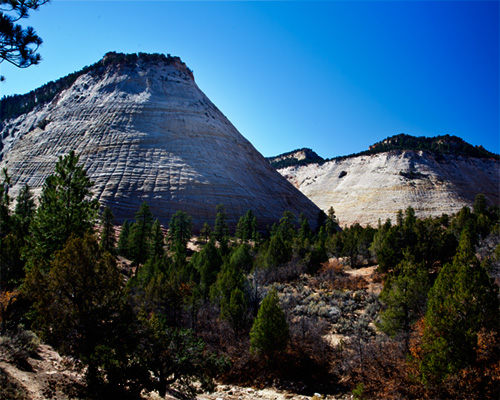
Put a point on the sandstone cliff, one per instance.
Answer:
(367, 188)
(146, 132)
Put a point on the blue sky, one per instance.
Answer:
(335, 76)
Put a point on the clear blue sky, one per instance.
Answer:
(333, 76)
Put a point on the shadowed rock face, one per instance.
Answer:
(146, 132)
(367, 188)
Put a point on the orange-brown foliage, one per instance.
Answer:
(332, 276)
(7, 299)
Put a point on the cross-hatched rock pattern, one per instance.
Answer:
(367, 188)
(146, 132)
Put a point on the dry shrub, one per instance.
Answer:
(17, 346)
(7, 299)
(332, 276)
(282, 274)
(381, 366)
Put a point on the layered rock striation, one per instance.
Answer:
(366, 188)
(146, 132)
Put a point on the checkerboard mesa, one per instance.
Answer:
(144, 132)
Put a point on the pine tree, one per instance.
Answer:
(78, 300)
(157, 241)
(221, 229)
(208, 263)
(286, 227)
(19, 45)
(228, 291)
(278, 253)
(205, 232)
(331, 223)
(405, 299)
(122, 246)
(235, 311)
(11, 262)
(67, 207)
(179, 234)
(108, 240)
(270, 332)
(462, 303)
(241, 258)
(247, 227)
(305, 231)
(140, 234)
(24, 211)
(5, 225)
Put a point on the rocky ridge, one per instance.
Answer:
(146, 132)
(367, 188)
(297, 157)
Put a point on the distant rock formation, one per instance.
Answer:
(369, 187)
(145, 132)
(297, 157)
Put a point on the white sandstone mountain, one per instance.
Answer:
(145, 132)
(366, 188)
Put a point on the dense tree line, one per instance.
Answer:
(152, 307)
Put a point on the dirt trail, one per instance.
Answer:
(368, 274)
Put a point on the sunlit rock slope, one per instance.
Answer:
(145, 132)
(370, 187)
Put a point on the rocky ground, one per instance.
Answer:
(45, 375)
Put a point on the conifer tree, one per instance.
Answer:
(331, 223)
(207, 263)
(305, 231)
(247, 227)
(157, 241)
(11, 262)
(270, 332)
(66, 207)
(462, 303)
(179, 234)
(24, 211)
(221, 229)
(18, 46)
(286, 227)
(122, 246)
(205, 232)
(77, 302)
(228, 291)
(108, 240)
(241, 258)
(235, 311)
(278, 252)
(5, 225)
(405, 298)
(140, 234)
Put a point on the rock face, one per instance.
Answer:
(368, 187)
(146, 132)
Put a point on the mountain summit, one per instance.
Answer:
(145, 132)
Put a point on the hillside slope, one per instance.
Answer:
(145, 132)
(367, 188)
